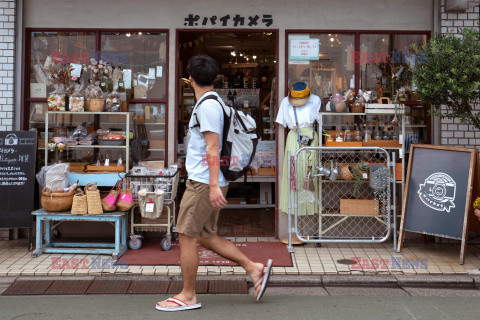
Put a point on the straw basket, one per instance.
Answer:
(79, 205)
(357, 107)
(125, 197)
(56, 201)
(94, 105)
(94, 202)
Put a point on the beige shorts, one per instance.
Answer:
(197, 216)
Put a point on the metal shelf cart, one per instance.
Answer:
(166, 223)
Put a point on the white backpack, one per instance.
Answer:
(239, 141)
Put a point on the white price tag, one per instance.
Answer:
(149, 207)
(159, 71)
(400, 138)
(401, 154)
(76, 71)
(365, 175)
(151, 73)
(127, 78)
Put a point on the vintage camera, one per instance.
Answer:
(441, 190)
(305, 140)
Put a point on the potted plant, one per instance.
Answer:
(358, 205)
(447, 75)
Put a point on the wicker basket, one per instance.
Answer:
(56, 201)
(79, 205)
(357, 107)
(94, 202)
(95, 105)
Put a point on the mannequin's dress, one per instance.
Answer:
(306, 115)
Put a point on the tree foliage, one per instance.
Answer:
(448, 74)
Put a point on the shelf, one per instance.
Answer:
(95, 146)
(255, 179)
(249, 206)
(156, 149)
(415, 126)
(346, 181)
(90, 112)
(330, 214)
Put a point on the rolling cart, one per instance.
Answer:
(166, 222)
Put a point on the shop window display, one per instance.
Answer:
(102, 72)
(332, 71)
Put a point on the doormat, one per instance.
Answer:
(150, 254)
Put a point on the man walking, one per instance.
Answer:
(206, 191)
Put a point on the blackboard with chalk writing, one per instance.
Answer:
(17, 178)
(438, 192)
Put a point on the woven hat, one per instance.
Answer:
(299, 94)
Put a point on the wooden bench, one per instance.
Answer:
(44, 218)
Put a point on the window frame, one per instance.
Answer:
(357, 34)
(26, 99)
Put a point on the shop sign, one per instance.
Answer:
(17, 178)
(304, 49)
(233, 20)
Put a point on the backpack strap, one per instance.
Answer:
(209, 97)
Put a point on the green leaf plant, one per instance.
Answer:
(447, 75)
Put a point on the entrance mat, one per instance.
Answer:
(150, 254)
(79, 287)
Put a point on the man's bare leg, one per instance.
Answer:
(228, 250)
(189, 265)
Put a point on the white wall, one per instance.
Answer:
(7, 64)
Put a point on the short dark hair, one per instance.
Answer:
(203, 69)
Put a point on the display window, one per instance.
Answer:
(125, 66)
(347, 63)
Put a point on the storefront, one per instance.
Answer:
(152, 41)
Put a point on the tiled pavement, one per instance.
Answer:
(417, 258)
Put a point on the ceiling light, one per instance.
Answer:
(254, 57)
(233, 53)
(241, 54)
(247, 58)
(332, 39)
(274, 61)
(140, 33)
(128, 34)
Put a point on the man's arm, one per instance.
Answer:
(213, 158)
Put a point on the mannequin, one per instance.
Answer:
(307, 107)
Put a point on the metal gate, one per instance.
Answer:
(342, 194)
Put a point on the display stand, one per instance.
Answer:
(45, 219)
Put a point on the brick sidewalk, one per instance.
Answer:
(417, 258)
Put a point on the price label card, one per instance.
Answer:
(365, 175)
(400, 138)
(151, 73)
(127, 78)
(76, 71)
(401, 154)
(159, 71)
(149, 207)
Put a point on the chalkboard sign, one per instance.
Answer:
(17, 178)
(438, 192)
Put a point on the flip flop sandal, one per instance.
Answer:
(263, 281)
(181, 306)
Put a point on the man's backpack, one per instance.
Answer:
(239, 141)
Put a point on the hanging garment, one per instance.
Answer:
(304, 161)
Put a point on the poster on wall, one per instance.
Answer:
(304, 49)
